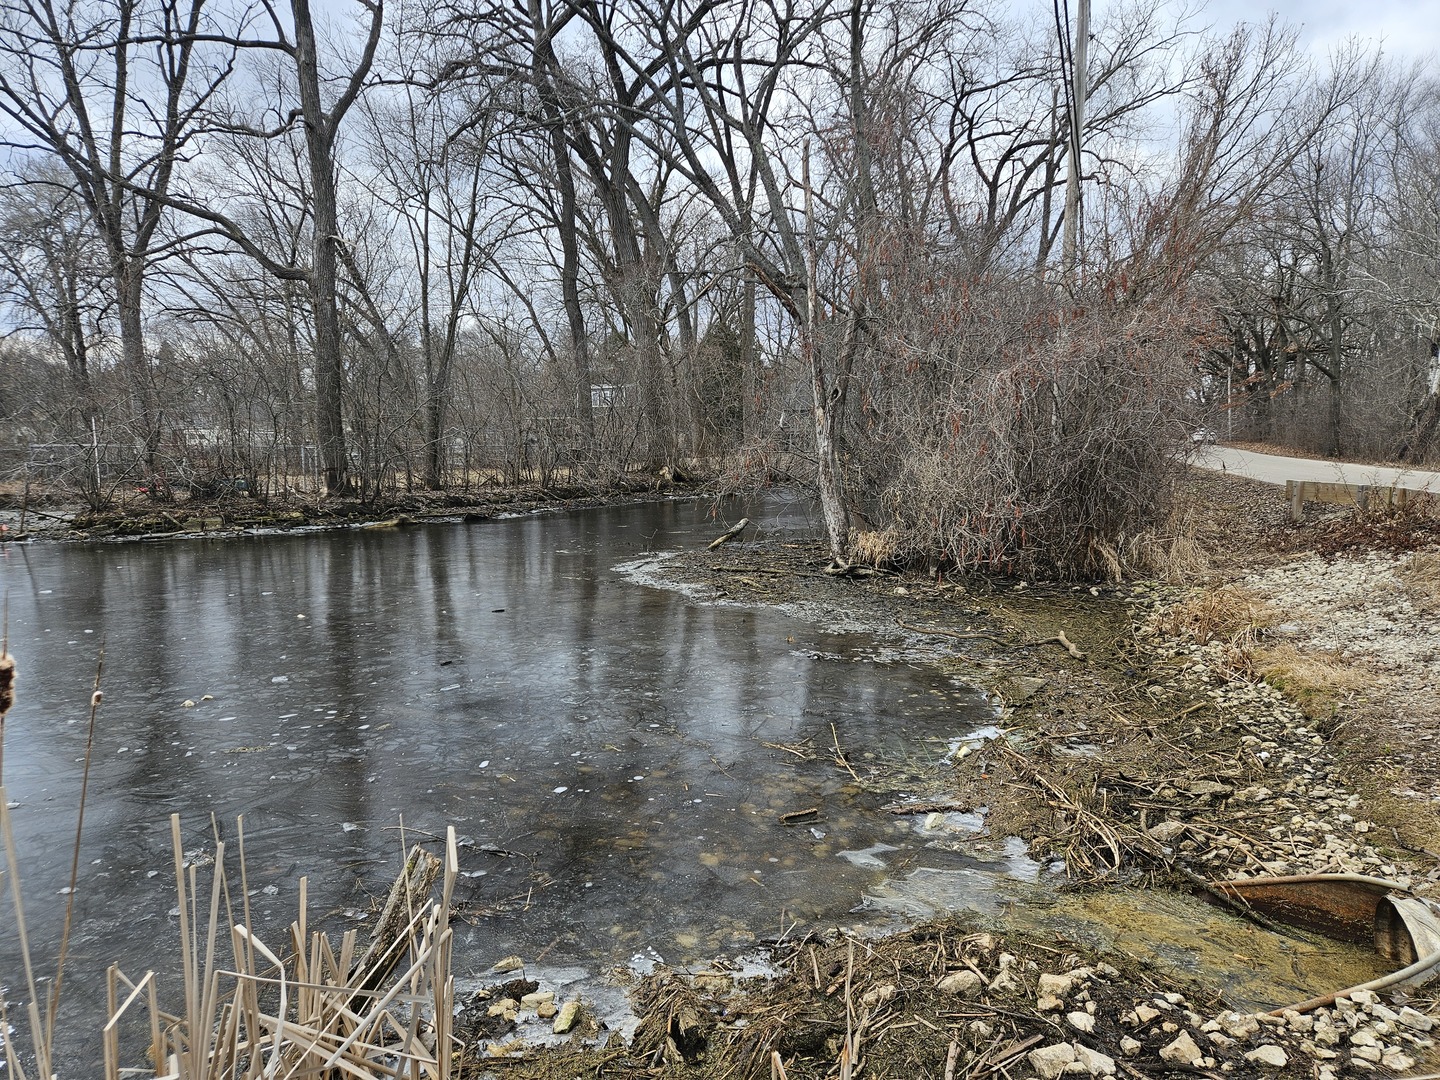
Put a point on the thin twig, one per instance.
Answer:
(840, 758)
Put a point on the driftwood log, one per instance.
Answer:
(387, 943)
(730, 534)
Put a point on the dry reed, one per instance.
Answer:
(303, 1009)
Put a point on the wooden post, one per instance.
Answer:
(1295, 492)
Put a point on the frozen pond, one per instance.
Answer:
(614, 756)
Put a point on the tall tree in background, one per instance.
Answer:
(319, 117)
(113, 90)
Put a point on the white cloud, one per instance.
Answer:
(1407, 30)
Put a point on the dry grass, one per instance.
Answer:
(1318, 682)
(1173, 553)
(1420, 576)
(878, 549)
(1229, 613)
(1414, 823)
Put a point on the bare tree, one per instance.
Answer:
(114, 91)
(52, 273)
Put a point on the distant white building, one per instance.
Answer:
(606, 395)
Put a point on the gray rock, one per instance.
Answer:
(1239, 1025)
(1396, 1061)
(1270, 1055)
(1301, 1022)
(1145, 1013)
(1129, 1046)
(1203, 788)
(1081, 1021)
(1415, 1020)
(962, 983)
(1166, 832)
(1049, 1062)
(1182, 1051)
(1096, 1063)
(1055, 985)
(1005, 982)
(569, 1013)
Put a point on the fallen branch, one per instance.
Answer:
(1061, 639)
(410, 890)
(53, 517)
(840, 758)
(993, 1061)
(1058, 639)
(926, 808)
(734, 531)
(959, 636)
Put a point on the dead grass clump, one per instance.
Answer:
(848, 1008)
(1318, 682)
(1171, 553)
(1412, 527)
(676, 1023)
(1228, 613)
(1420, 576)
(872, 548)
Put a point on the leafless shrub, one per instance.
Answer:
(1055, 444)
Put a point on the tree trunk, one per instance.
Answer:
(544, 63)
(570, 292)
(129, 294)
(828, 481)
(324, 271)
(1333, 441)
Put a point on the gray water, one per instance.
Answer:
(614, 756)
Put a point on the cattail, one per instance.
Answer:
(7, 683)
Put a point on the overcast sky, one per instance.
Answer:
(1408, 29)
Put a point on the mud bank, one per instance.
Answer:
(1146, 759)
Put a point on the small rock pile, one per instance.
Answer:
(1300, 806)
(1357, 606)
(1359, 1034)
(517, 1008)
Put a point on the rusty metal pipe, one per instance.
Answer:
(1424, 964)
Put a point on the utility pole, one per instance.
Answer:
(1080, 89)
